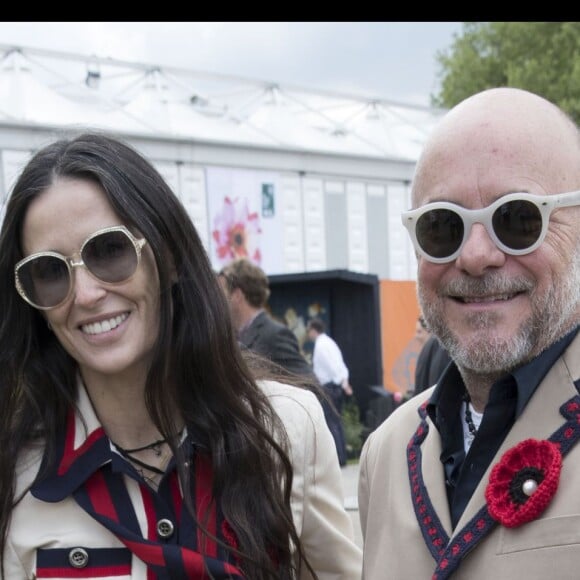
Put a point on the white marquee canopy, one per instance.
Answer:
(58, 90)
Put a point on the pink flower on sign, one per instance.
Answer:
(237, 232)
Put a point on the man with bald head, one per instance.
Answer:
(479, 476)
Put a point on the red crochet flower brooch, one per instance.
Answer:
(524, 481)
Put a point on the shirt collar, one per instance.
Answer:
(248, 323)
(527, 378)
(82, 448)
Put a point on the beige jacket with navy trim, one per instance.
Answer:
(324, 526)
(547, 547)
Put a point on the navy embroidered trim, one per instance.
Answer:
(448, 555)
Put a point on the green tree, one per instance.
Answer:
(542, 57)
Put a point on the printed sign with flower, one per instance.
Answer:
(237, 232)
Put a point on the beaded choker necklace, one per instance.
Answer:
(471, 420)
(468, 417)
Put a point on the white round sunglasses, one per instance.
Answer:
(517, 223)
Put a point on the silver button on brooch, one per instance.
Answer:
(78, 558)
(165, 528)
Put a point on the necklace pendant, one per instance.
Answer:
(469, 437)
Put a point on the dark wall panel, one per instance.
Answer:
(349, 305)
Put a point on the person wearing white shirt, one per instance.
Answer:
(332, 373)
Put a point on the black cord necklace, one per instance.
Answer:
(156, 446)
(468, 417)
(126, 453)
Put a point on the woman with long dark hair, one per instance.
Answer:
(135, 440)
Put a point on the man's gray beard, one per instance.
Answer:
(552, 316)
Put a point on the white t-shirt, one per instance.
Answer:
(327, 361)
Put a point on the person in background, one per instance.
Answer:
(432, 360)
(332, 374)
(135, 440)
(247, 289)
(478, 477)
(422, 333)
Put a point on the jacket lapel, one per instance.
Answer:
(434, 476)
(539, 420)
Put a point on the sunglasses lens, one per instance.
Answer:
(439, 232)
(517, 224)
(45, 280)
(111, 256)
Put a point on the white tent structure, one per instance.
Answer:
(317, 179)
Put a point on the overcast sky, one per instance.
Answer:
(391, 60)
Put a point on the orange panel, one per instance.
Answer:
(399, 313)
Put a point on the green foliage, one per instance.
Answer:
(542, 57)
(353, 428)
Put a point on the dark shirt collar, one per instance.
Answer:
(507, 399)
(527, 378)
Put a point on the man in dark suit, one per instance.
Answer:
(247, 288)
